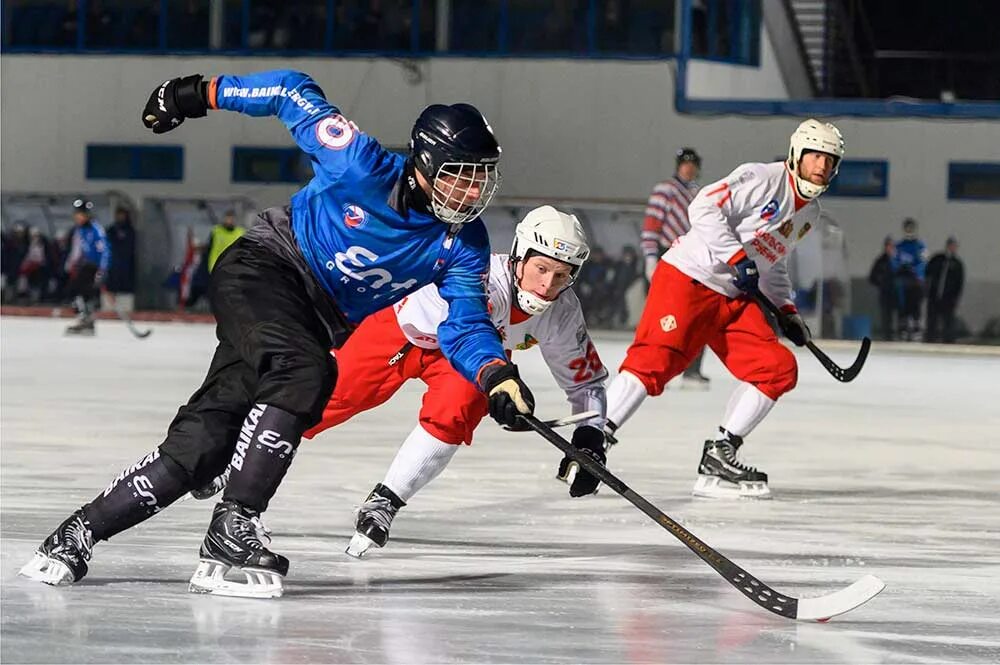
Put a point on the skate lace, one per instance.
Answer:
(245, 528)
(728, 453)
(378, 509)
(79, 537)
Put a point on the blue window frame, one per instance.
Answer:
(134, 162)
(265, 164)
(864, 178)
(974, 181)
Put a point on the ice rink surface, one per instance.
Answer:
(895, 475)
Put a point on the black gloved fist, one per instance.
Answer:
(590, 441)
(747, 275)
(794, 328)
(173, 101)
(508, 396)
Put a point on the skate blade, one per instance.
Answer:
(713, 487)
(695, 385)
(210, 577)
(359, 546)
(569, 474)
(48, 571)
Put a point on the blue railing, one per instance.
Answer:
(558, 28)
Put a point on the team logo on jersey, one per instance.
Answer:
(668, 323)
(768, 212)
(786, 228)
(805, 230)
(336, 132)
(528, 342)
(354, 216)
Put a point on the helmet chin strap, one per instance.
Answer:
(805, 188)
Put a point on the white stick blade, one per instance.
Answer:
(825, 607)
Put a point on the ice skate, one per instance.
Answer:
(696, 381)
(62, 557)
(233, 542)
(373, 521)
(82, 328)
(722, 476)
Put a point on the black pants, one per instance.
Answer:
(940, 321)
(81, 285)
(273, 349)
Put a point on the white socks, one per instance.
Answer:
(625, 394)
(746, 408)
(419, 461)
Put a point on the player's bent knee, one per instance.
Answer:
(785, 374)
(654, 366)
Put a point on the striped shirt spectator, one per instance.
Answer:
(667, 209)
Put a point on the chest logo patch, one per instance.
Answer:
(354, 216)
(786, 228)
(769, 211)
(805, 230)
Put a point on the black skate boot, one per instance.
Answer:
(233, 541)
(62, 557)
(84, 327)
(374, 519)
(721, 475)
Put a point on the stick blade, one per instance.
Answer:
(825, 607)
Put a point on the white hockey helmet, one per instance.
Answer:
(551, 233)
(816, 136)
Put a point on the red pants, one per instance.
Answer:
(452, 407)
(682, 316)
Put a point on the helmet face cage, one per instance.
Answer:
(455, 199)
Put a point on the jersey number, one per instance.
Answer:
(586, 366)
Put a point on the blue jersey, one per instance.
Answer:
(89, 244)
(911, 256)
(364, 253)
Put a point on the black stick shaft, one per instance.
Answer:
(748, 585)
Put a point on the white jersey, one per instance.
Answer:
(560, 332)
(755, 210)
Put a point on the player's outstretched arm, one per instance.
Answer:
(317, 126)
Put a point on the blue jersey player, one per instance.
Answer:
(87, 263)
(369, 228)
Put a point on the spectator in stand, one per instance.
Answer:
(15, 246)
(666, 220)
(626, 272)
(33, 272)
(945, 279)
(593, 287)
(909, 267)
(223, 235)
(882, 278)
(120, 285)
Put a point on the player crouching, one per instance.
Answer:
(530, 303)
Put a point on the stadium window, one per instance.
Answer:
(974, 181)
(861, 178)
(134, 162)
(258, 164)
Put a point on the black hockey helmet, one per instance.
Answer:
(455, 149)
(83, 205)
(688, 155)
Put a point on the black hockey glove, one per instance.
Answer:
(173, 101)
(746, 275)
(588, 440)
(794, 328)
(508, 396)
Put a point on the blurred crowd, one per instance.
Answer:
(918, 295)
(604, 284)
(38, 269)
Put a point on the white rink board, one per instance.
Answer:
(893, 475)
